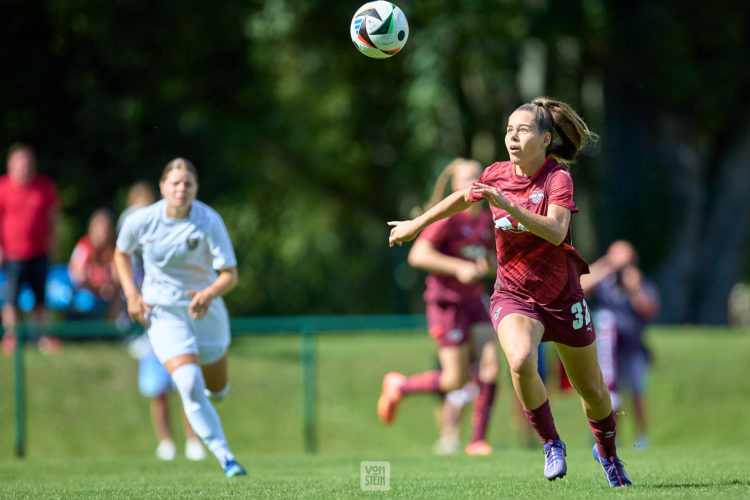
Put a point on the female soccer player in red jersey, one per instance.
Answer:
(455, 253)
(538, 294)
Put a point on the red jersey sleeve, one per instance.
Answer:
(560, 190)
(482, 180)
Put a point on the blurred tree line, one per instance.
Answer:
(307, 148)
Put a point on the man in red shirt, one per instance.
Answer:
(29, 210)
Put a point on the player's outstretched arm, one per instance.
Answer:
(407, 230)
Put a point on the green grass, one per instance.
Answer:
(506, 474)
(89, 434)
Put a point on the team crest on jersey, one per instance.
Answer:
(192, 243)
(536, 196)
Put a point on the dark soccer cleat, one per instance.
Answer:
(554, 460)
(614, 469)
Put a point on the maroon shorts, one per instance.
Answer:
(566, 322)
(450, 323)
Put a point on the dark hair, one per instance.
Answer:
(570, 134)
(177, 164)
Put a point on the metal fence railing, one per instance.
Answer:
(308, 327)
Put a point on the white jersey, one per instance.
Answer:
(178, 254)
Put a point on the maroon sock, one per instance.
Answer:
(482, 410)
(422, 382)
(542, 422)
(604, 433)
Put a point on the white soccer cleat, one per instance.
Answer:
(166, 450)
(194, 449)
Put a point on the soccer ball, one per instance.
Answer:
(379, 29)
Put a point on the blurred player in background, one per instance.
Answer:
(623, 301)
(448, 415)
(538, 295)
(29, 215)
(455, 253)
(189, 264)
(154, 381)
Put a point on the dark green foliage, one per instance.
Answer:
(307, 147)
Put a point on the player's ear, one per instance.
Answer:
(547, 139)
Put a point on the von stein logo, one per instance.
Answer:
(375, 476)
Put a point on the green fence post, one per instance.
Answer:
(19, 386)
(309, 387)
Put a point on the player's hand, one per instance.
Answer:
(138, 310)
(403, 230)
(491, 194)
(468, 272)
(199, 305)
(483, 266)
(632, 280)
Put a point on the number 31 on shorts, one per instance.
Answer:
(581, 311)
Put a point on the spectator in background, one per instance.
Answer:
(91, 267)
(153, 379)
(623, 301)
(29, 213)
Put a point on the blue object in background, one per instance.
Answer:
(60, 293)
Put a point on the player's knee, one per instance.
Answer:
(594, 393)
(452, 381)
(218, 395)
(521, 361)
(488, 371)
(188, 379)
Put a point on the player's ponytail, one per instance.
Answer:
(570, 134)
(441, 186)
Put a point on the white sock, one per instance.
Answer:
(199, 411)
(218, 395)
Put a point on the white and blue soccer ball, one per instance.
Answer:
(379, 29)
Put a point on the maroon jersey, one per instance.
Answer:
(467, 235)
(529, 266)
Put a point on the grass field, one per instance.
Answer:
(89, 434)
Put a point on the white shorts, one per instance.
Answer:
(173, 332)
